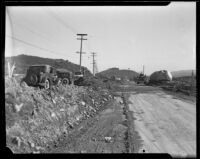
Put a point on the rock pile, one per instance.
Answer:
(39, 116)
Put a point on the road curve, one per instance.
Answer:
(164, 123)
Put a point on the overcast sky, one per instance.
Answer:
(160, 37)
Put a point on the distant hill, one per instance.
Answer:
(183, 73)
(23, 61)
(118, 73)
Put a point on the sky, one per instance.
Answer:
(126, 37)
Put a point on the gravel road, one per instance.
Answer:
(165, 124)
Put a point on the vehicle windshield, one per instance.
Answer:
(37, 68)
(78, 73)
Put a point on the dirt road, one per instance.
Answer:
(139, 119)
(164, 123)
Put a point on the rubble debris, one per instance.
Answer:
(41, 103)
(83, 103)
(32, 144)
(17, 141)
(62, 109)
(93, 101)
(105, 99)
(108, 139)
(70, 125)
(94, 139)
(39, 148)
(53, 115)
(83, 151)
(53, 101)
(18, 107)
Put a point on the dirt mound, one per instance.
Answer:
(36, 117)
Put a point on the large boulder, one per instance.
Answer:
(160, 76)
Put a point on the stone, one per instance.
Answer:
(53, 101)
(70, 125)
(32, 144)
(83, 151)
(105, 99)
(94, 139)
(16, 141)
(93, 101)
(108, 139)
(62, 109)
(38, 148)
(83, 103)
(53, 115)
(18, 107)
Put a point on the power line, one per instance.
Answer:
(32, 31)
(38, 34)
(65, 24)
(62, 22)
(33, 45)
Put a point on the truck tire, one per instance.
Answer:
(33, 79)
(65, 81)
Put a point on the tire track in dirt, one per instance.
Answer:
(133, 140)
(165, 124)
(128, 136)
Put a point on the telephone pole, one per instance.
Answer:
(81, 38)
(143, 69)
(94, 62)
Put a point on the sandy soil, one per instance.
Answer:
(164, 123)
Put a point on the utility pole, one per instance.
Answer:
(81, 38)
(94, 62)
(143, 69)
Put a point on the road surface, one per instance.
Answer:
(137, 119)
(164, 123)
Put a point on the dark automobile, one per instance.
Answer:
(40, 75)
(78, 78)
(64, 76)
(142, 79)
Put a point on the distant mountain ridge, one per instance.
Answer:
(130, 74)
(23, 61)
(183, 73)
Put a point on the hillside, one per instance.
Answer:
(118, 73)
(183, 73)
(23, 61)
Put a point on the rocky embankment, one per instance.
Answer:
(36, 117)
